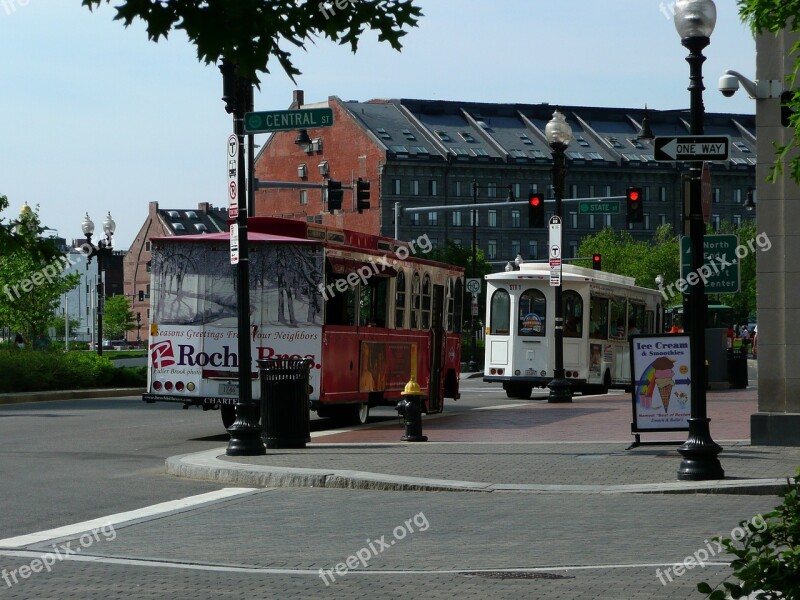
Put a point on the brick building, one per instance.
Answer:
(162, 222)
(428, 152)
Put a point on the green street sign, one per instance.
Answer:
(610, 207)
(721, 265)
(287, 120)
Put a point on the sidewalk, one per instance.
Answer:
(528, 446)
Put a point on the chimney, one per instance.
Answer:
(298, 99)
(203, 207)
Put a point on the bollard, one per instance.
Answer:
(411, 410)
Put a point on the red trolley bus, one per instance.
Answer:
(369, 312)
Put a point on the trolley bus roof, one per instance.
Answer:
(541, 270)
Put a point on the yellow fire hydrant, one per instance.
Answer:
(410, 407)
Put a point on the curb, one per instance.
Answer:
(207, 466)
(24, 397)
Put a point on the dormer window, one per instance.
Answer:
(323, 167)
(190, 214)
(316, 145)
(302, 171)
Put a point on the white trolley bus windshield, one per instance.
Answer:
(600, 311)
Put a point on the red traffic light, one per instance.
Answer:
(536, 200)
(597, 261)
(633, 195)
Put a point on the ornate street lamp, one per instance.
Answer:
(559, 135)
(104, 248)
(695, 20)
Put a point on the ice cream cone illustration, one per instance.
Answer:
(665, 380)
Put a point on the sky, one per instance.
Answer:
(95, 118)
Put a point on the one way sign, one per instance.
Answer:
(693, 147)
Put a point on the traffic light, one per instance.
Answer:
(535, 211)
(141, 295)
(597, 262)
(635, 207)
(362, 195)
(335, 195)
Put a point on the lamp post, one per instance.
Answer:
(473, 363)
(237, 93)
(101, 250)
(559, 135)
(695, 20)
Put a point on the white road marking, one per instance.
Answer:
(141, 514)
(315, 572)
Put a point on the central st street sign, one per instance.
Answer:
(286, 120)
(719, 255)
(599, 208)
(692, 147)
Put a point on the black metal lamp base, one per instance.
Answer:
(700, 462)
(560, 391)
(245, 432)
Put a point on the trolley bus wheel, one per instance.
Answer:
(606, 383)
(359, 413)
(519, 391)
(228, 412)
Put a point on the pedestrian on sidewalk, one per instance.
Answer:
(19, 342)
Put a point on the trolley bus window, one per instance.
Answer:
(500, 313)
(426, 302)
(373, 302)
(573, 314)
(598, 318)
(340, 308)
(618, 327)
(400, 300)
(458, 308)
(532, 313)
(637, 322)
(449, 326)
(414, 321)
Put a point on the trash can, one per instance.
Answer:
(737, 368)
(285, 421)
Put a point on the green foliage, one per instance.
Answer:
(31, 371)
(251, 32)
(772, 16)
(118, 317)
(129, 377)
(31, 274)
(767, 557)
(57, 323)
(453, 254)
(643, 260)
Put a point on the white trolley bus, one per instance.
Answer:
(600, 311)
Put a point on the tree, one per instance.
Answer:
(31, 274)
(773, 16)
(642, 260)
(743, 303)
(57, 323)
(249, 33)
(118, 318)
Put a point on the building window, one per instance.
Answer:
(474, 218)
(737, 195)
(415, 187)
(573, 220)
(715, 222)
(457, 188)
(573, 249)
(396, 187)
(737, 220)
(492, 218)
(533, 188)
(491, 249)
(574, 191)
(715, 196)
(607, 220)
(662, 219)
(647, 220)
(457, 242)
(515, 248)
(432, 187)
(606, 190)
(517, 191)
(415, 218)
(303, 197)
(662, 194)
(147, 246)
(591, 221)
(457, 218)
(515, 218)
(433, 218)
(491, 190)
(533, 249)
